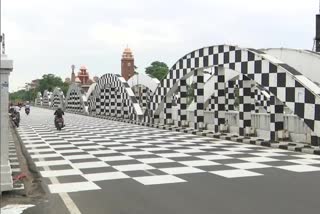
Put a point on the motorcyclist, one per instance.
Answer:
(58, 114)
(11, 108)
(16, 115)
(27, 106)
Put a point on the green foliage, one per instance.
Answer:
(22, 95)
(47, 82)
(157, 70)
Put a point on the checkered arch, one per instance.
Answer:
(46, 99)
(57, 99)
(113, 97)
(288, 85)
(38, 100)
(75, 100)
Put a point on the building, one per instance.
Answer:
(32, 85)
(127, 64)
(82, 78)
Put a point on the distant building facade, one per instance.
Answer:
(82, 78)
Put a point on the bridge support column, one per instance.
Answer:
(220, 100)
(230, 98)
(244, 105)
(315, 140)
(276, 118)
(199, 99)
(5, 168)
(182, 103)
(168, 110)
(113, 101)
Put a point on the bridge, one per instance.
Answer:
(148, 146)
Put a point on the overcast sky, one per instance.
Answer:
(48, 36)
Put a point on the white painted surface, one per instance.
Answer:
(143, 79)
(305, 62)
(5, 169)
(15, 208)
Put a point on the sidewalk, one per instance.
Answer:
(28, 195)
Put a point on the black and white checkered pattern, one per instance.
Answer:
(219, 110)
(198, 98)
(113, 97)
(262, 98)
(182, 102)
(230, 96)
(46, 99)
(281, 80)
(245, 104)
(38, 100)
(90, 150)
(276, 118)
(143, 95)
(75, 100)
(57, 98)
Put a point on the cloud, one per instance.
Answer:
(48, 36)
(137, 33)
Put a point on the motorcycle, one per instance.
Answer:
(16, 119)
(27, 110)
(59, 123)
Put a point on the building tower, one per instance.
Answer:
(73, 75)
(127, 64)
(83, 75)
(316, 46)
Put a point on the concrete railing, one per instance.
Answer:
(293, 126)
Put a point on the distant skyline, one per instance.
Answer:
(45, 36)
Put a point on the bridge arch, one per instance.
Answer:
(38, 100)
(113, 97)
(293, 89)
(57, 99)
(76, 100)
(46, 99)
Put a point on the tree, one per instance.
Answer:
(49, 82)
(157, 70)
(22, 95)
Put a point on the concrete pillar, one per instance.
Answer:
(220, 100)
(230, 96)
(276, 118)
(182, 103)
(5, 168)
(199, 99)
(244, 105)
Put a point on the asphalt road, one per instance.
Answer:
(100, 166)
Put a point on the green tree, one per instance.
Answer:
(22, 96)
(49, 82)
(157, 70)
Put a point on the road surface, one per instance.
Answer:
(100, 166)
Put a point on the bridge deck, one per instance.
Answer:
(112, 167)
